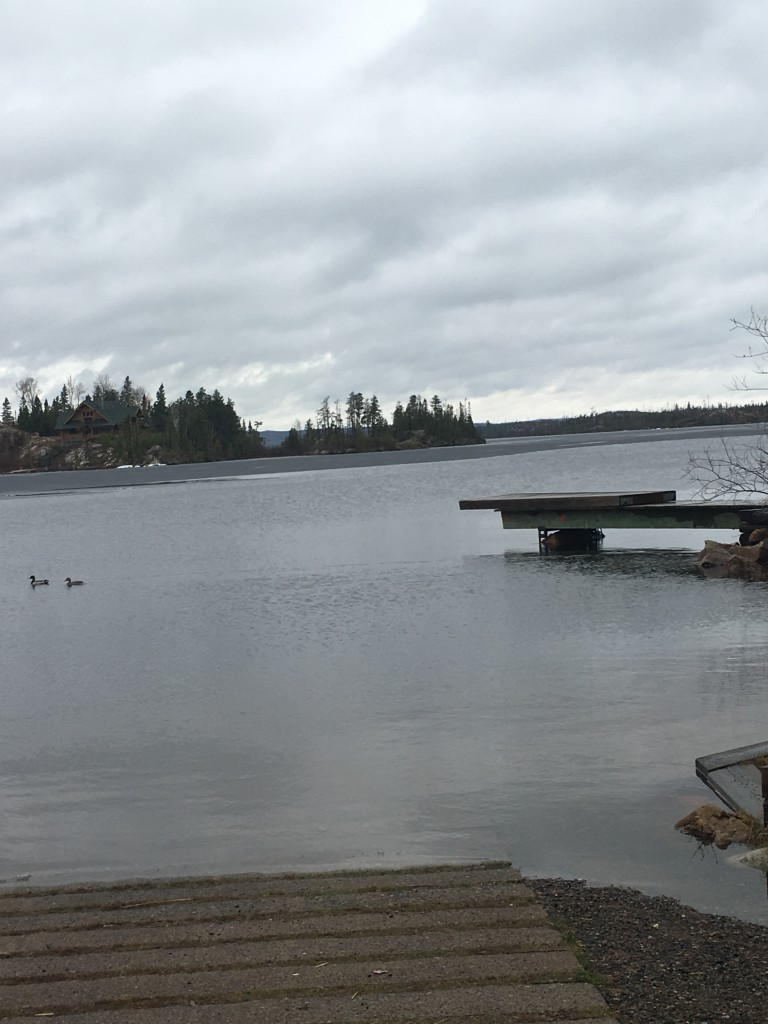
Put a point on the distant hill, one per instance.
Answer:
(631, 419)
(273, 438)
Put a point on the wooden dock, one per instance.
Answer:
(640, 510)
(739, 777)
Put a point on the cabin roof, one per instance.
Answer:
(111, 414)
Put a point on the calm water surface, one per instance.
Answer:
(338, 668)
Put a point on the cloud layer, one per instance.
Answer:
(543, 208)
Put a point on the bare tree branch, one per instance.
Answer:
(738, 470)
(28, 390)
(733, 471)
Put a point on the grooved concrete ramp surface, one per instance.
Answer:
(422, 946)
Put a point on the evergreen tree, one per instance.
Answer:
(50, 411)
(293, 445)
(373, 419)
(337, 426)
(37, 416)
(310, 434)
(324, 419)
(7, 413)
(159, 414)
(23, 417)
(398, 422)
(355, 410)
(127, 394)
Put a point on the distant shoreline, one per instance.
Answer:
(47, 482)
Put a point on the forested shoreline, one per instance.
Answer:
(631, 419)
(205, 427)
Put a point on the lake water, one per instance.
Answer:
(338, 668)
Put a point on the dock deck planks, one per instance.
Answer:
(613, 509)
(573, 500)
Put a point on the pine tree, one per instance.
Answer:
(324, 418)
(127, 396)
(398, 422)
(159, 414)
(355, 411)
(37, 416)
(292, 445)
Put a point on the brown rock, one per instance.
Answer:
(734, 561)
(756, 552)
(713, 560)
(747, 569)
(712, 824)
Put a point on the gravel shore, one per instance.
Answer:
(660, 962)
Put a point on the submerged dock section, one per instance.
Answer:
(580, 517)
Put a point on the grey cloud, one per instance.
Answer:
(490, 42)
(492, 198)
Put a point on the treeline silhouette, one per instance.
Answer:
(361, 426)
(203, 427)
(197, 427)
(631, 419)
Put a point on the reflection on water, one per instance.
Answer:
(340, 668)
(633, 562)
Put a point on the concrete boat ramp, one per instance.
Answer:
(413, 946)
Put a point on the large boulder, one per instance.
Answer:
(712, 824)
(87, 455)
(736, 561)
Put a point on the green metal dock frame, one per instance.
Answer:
(596, 511)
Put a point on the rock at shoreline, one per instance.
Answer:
(712, 824)
(756, 859)
(735, 561)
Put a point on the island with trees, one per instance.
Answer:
(109, 426)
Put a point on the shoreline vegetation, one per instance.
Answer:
(633, 419)
(111, 428)
(200, 427)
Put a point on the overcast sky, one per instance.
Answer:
(543, 207)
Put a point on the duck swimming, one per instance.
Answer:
(38, 583)
(74, 583)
